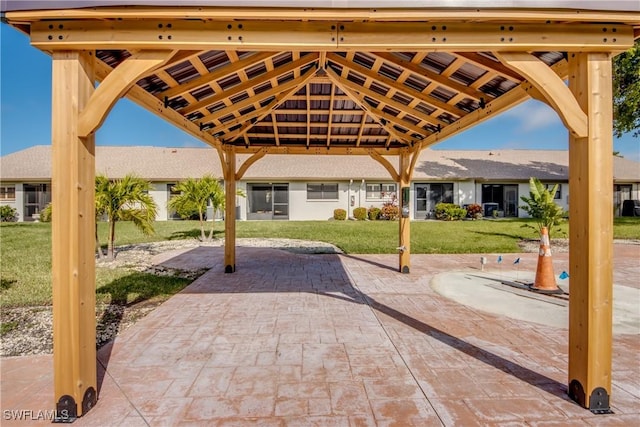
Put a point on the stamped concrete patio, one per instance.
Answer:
(334, 340)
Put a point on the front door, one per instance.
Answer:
(422, 211)
(511, 200)
(267, 201)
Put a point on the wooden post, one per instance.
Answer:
(591, 234)
(230, 211)
(73, 256)
(404, 208)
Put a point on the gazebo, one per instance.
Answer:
(378, 78)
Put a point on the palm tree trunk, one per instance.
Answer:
(112, 237)
(98, 247)
(213, 222)
(203, 236)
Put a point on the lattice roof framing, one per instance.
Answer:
(343, 81)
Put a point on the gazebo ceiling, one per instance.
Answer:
(339, 81)
(328, 99)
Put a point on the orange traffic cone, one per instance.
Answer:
(545, 278)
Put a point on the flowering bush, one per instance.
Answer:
(474, 211)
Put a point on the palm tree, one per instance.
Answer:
(125, 199)
(194, 197)
(541, 207)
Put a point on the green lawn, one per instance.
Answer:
(26, 249)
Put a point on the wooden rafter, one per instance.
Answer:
(251, 83)
(308, 105)
(238, 106)
(218, 74)
(330, 119)
(434, 77)
(361, 129)
(274, 124)
(365, 91)
(495, 68)
(379, 116)
(396, 85)
(287, 89)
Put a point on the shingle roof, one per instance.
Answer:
(170, 164)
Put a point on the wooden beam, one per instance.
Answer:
(73, 248)
(324, 35)
(591, 234)
(116, 84)
(249, 162)
(472, 37)
(499, 105)
(386, 164)
(252, 83)
(155, 106)
(404, 206)
(184, 34)
(315, 150)
(230, 211)
(551, 86)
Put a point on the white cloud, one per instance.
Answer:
(533, 115)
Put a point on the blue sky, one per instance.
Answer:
(25, 115)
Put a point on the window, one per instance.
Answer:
(8, 192)
(322, 191)
(558, 194)
(380, 191)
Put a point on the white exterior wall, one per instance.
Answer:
(161, 197)
(563, 202)
(241, 202)
(301, 209)
(464, 193)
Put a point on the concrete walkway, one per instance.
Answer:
(334, 340)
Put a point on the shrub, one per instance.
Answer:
(45, 214)
(450, 212)
(339, 214)
(8, 214)
(389, 211)
(374, 213)
(360, 214)
(474, 211)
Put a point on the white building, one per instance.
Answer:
(311, 187)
